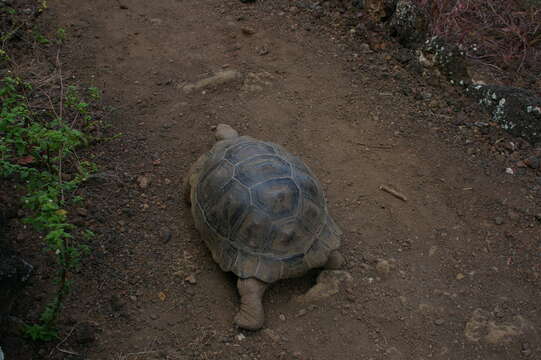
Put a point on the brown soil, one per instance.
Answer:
(451, 273)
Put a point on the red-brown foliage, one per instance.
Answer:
(503, 34)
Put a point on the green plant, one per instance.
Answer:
(36, 148)
(60, 35)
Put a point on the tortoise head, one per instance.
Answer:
(224, 132)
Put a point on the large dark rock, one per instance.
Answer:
(409, 24)
(446, 58)
(517, 111)
(378, 10)
(14, 272)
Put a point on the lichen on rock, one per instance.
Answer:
(447, 58)
(517, 111)
(409, 24)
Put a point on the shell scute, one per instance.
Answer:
(278, 198)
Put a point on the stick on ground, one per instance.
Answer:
(393, 192)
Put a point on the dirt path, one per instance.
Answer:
(449, 274)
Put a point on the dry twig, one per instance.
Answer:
(393, 192)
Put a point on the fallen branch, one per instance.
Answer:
(393, 192)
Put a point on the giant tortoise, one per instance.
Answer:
(263, 215)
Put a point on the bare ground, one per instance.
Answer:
(451, 273)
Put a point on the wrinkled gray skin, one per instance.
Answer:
(251, 315)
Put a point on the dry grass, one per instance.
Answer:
(502, 34)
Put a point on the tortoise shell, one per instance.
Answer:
(261, 211)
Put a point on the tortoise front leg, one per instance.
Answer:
(251, 315)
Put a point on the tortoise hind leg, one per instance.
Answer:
(251, 315)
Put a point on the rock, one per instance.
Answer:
(220, 78)
(85, 333)
(459, 276)
(532, 162)
(247, 30)
(191, 279)
(328, 284)
(517, 111)
(483, 327)
(408, 23)
(439, 322)
(383, 267)
(378, 10)
(525, 349)
(166, 235)
(393, 354)
(282, 317)
(271, 335)
(14, 272)
(143, 181)
(365, 48)
(446, 58)
(403, 56)
(116, 304)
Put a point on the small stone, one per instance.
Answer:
(365, 48)
(166, 235)
(383, 266)
(302, 312)
(247, 31)
(143, 181)
(532, 162)
(459, 276)
(272, 335)
(498, 220)
(525, 349)
(241, 337)
(509, 171)
(191, 279)
(282, 317)
(439, 322)
(154, 317)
